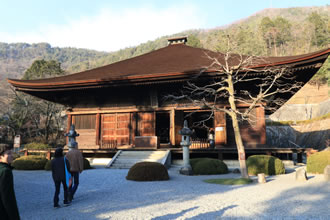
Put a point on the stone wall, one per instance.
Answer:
(297, 112)
(313, 135)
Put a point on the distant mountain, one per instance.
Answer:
(15, 58)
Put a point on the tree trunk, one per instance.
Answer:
(240, 147)
(238, 137)
(275, 46)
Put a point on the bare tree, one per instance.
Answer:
(32, 117)
(236, 80)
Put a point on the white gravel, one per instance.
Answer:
(106, 194)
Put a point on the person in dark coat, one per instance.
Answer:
(8, 204)
(58, 173)
(76, 160)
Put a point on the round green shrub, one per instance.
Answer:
(15, 155)
(147, 171)
(87, 165)
(36, 146)
(318, 161)
(266, 164)
(208, 166)
(48, 165)
(31, 162)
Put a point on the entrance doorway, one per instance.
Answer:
(163, 127)
(200, 123)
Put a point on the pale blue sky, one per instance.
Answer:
(109, 25)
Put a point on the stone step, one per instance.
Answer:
(122, 166)
(133, 161)
(136, 153)
(126, 159)
(159, 156)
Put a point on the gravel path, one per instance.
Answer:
(106, 194)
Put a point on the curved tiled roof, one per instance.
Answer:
(173, 61)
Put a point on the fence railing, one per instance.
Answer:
(199, 143)
(109, 145)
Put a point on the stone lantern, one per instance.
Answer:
(185, 143)
(72, 134)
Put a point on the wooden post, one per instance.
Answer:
(261, 124)
(261, 178)
(97, 128)
(48, 155)
(172, 127)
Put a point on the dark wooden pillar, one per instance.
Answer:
(176, 124)
(261, 124)
(97, 128)
(300, 158)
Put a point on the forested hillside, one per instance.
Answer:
(271, 32)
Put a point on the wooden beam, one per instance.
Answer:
(78, 111)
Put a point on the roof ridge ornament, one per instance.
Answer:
(177, 40)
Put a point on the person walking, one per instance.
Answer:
(76, 160)
(8, 204)
(58, 174)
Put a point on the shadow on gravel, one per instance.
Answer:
(174, 216)
(212, 215)
(304, 201)
(102, 192)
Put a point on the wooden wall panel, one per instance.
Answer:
(220, 128)
(85, 126)
(86, 139)
(146, 124)
(85, 121)
(253, 133)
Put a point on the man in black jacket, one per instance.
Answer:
(8, 204)
(58, 173)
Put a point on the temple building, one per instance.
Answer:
(122, 104)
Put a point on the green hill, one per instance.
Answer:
(270, 32)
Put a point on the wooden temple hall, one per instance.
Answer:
(122, 105)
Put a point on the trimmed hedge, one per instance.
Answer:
(37, 146)
(318, 161)
(48, 165)
(147, 171)
(208, 166)
(30, 162)
(266, 164)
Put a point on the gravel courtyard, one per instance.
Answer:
(106, 194)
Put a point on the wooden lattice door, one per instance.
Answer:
(115, 130)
